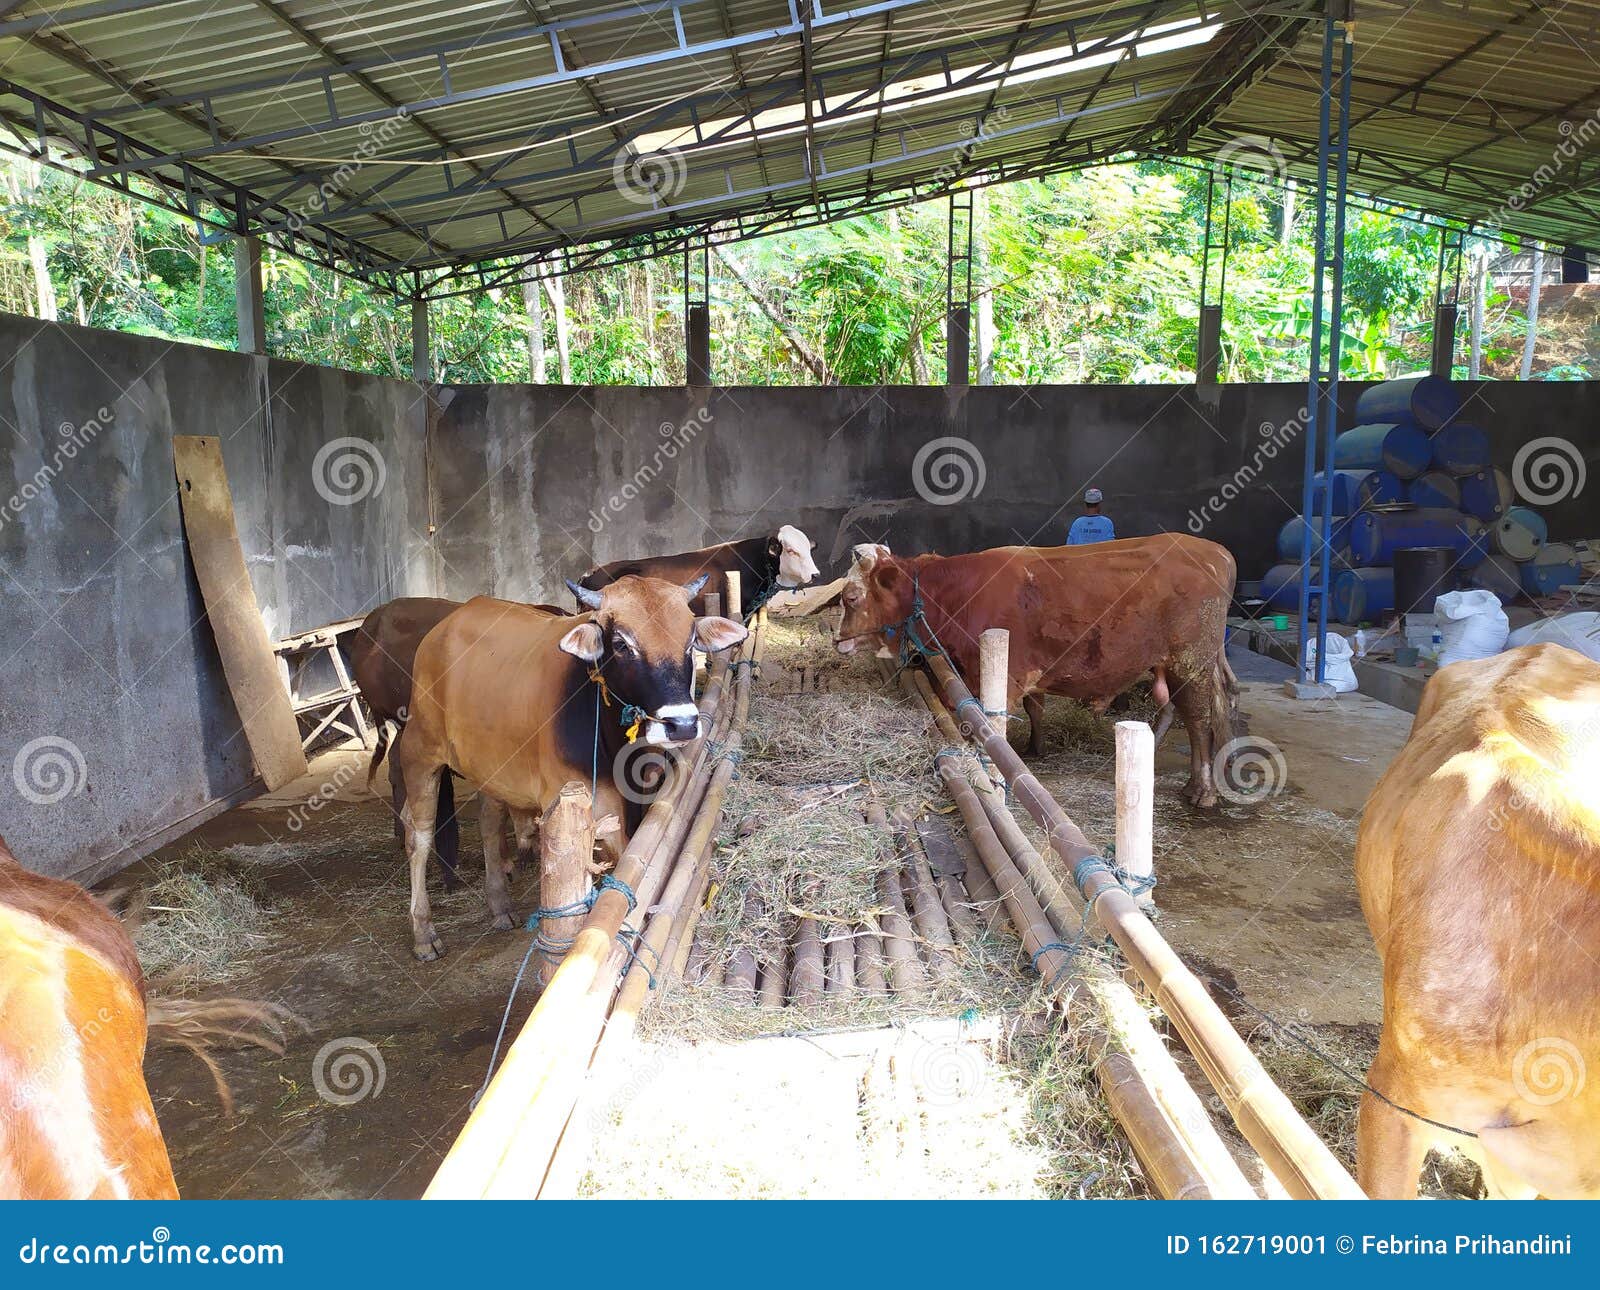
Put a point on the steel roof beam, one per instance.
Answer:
(776, 94)
(679, 49)
(52, 19)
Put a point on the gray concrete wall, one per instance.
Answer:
(101, 623)
(111, 683)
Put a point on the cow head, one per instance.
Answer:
(864, 557)
(791, 550)
(640, 635)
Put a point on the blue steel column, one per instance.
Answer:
(1329, 427)
(1321, 412)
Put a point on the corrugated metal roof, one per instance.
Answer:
(413, 140)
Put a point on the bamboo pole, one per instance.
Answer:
(840, 954)
(1296, 1156)
(869, 964)
(775, 980)
(899, 949)
(739, 978)
(807, 978)
(1136, 792)
(927, 911)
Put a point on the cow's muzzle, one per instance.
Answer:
(676, 723)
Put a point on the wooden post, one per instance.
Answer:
(735, 596)
(566, 843)
(1136, 791)
(994, 660)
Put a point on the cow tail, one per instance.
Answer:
(379, 749)
(202, 1025)
(1226, 722)
(447, 832)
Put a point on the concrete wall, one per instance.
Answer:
(111, 678)
(101, 623)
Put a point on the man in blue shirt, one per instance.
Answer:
(1092, 526)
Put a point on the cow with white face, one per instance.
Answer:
(781, 561)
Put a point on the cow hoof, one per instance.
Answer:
(504, 923)
(428, 951)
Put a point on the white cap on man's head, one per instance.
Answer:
(1093, 497)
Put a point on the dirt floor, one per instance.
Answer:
(984, 1098)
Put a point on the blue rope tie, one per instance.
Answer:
(1133, 884)
(633, 945)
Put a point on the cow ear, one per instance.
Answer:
(774, 547)
(712, 634)
(583, 641)
(891, 577)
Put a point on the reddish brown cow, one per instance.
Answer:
(75, 1116)
(520, 701)
(1478, 862)
(1085, 622)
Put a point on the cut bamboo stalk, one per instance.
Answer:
(957, 907)
(927, 911)
(1296, 1156)
(775, 980)
(994, 663)
(869, 964)
(739, 980)
(980, 886)
(1136, 791)
(841, 964)
(734, 595)
(904, 970)
(806, 978)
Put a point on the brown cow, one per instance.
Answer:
(1085, 622)
(382, 652)
(764, 565)
(520, 701)
(1478, 862)
(76, 1119)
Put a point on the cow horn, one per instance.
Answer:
(588, 599)
(694, 588)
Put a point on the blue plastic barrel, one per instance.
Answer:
(1486, 494)
(1499, 574)
(1429, 401)
(1396, 446)
(1292, 534)
(1382, 486)
(1280, 586)
(1350, 489)
(1376, 535)
(1435, 488)
(1361, 595)
(1461, 448)
(1519, 533)
(1557, 565)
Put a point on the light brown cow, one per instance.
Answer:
(1478, 862)
(520, 701)
(1086, 622)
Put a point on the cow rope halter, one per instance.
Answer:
(906, 629)
(632, 716)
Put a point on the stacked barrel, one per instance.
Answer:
(1415, 472)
